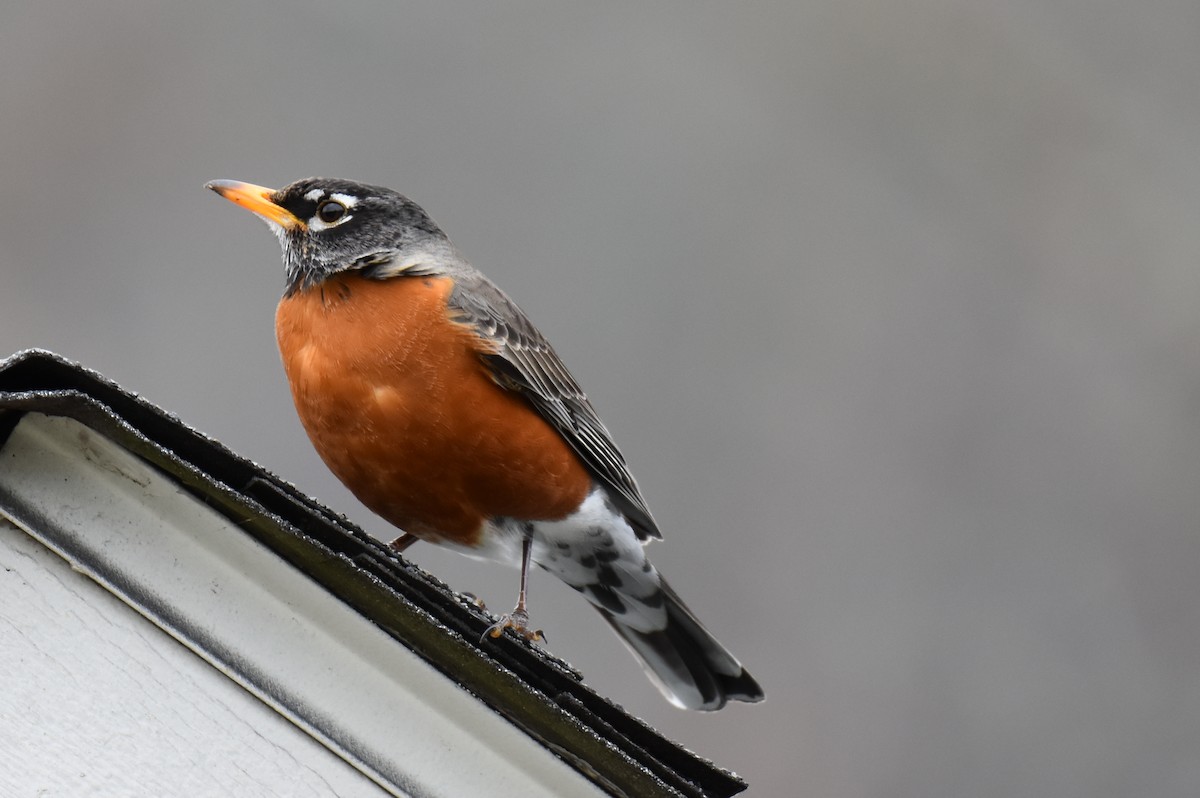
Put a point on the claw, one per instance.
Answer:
(518, 621)
(475, 600)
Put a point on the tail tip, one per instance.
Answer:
(741, 687)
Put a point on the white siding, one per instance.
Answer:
(97, 701)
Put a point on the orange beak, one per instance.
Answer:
(257, 199)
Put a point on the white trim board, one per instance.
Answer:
(261, 622)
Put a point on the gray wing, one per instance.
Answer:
(525, 362)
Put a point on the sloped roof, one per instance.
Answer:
(532, 690)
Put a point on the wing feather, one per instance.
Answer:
(525, 362)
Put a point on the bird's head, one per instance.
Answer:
(327, 227)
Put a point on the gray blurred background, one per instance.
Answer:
(893, 307)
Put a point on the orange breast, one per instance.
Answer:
(400, 407)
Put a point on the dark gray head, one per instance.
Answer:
(327, 226)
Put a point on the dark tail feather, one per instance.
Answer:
(683, 660)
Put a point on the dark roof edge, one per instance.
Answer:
(537, 692)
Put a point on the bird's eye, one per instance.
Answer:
(330, 211)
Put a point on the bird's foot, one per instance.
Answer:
(475, 601)
(518, 621)
(403, 542)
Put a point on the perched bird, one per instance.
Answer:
(433, 398)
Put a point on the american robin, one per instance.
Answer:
(434, 399)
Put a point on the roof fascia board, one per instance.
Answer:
(249, 613)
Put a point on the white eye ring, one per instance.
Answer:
(331, 212)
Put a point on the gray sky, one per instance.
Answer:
(892, 308)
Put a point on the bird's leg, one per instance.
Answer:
(403, 542)
(518, 619)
